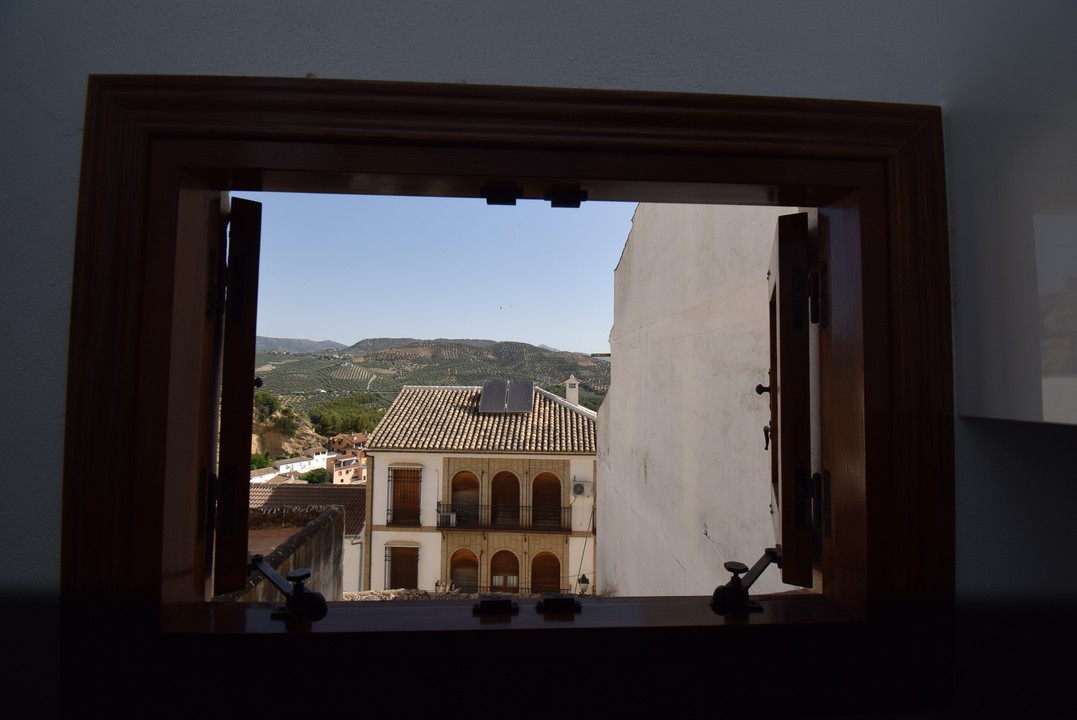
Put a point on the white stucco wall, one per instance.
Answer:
(353, 563)
(684, 473)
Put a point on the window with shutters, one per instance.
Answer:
(545, 573)
(401, 568)
(464, 571)
(157, 149)
(505, 500)
(404, 486)
(504, 572)
(546, 512)
(465, 499)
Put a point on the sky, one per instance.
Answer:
(349, 267)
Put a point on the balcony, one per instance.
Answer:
(468, 516)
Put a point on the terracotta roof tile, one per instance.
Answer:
(351, 497)
(447, 419)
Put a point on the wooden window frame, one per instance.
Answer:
(155, 147)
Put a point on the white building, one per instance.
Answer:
(682, 454)
(483, 494)
(312, 459)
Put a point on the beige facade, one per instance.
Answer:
(474, 512)
(439, 539)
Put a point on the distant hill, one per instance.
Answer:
(382, 366)
(371, 345)
(295, 345)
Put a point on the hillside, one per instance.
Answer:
(382, 366)
(295, 345)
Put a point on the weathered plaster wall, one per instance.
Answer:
(684, 476)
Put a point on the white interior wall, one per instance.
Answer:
(1014, 480)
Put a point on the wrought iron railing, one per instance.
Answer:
(488, 590)
(403, 516)
(465, 516)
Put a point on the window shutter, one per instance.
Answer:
(237, 395)
(546, 501)
(546, 574)
(790, 397)
(403, 568)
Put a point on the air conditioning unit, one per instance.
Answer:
(581, 487)
(447, 519)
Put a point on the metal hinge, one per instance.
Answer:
(815, 496)
(819, 296)
(813, 501)
(208, 488)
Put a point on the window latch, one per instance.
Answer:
(302, 606)
(558, 605)
(496, 608)
(733, 596)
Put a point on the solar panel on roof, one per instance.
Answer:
(520, 395)
(506, 396)
(494, 396)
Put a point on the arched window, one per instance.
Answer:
(504, 572)
(505, 500)
(546, 501)
(545, 573)
(465, 499)
(464, 571)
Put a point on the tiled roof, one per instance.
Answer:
(351, 497)
(447, 419)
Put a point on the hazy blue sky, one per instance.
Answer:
(349, 267)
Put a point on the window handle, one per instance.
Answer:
(733, 596)
(302, 606)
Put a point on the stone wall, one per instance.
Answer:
(317, 545)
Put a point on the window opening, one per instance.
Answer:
(405, 486)
(311, 374)
(504, 572)
(401, 568)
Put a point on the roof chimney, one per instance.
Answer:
(572, 390)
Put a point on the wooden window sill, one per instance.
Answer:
(406, 616)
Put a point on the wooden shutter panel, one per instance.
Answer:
(546, 574)
(464, 573)
(790, 397)
(404, 568)
(546, 501)
(237, 395)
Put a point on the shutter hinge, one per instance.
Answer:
(820, 503)
(819, 296)
(208, 488)
(817, 494)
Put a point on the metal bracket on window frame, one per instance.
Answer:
(498, 607)
(733, 596)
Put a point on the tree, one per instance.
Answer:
(316, 476)
(266, 405)
(259, 461)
